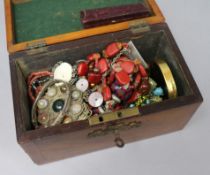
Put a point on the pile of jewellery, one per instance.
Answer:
(115, 79)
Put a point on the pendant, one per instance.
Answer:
(63, 72)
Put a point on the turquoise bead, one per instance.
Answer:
(158, 91)
(132, 105)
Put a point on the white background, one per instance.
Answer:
(181, 153)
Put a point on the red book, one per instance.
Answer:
(110, 15)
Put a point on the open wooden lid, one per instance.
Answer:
(37, 23)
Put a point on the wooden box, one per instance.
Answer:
(35, 42)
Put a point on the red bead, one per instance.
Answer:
(91, 65)
(112, 49)
(122, 77)
(122, 58)
(94, 78)
(137, 80)
(93, 56)
(111, 77)
(128, 66)
(82, 69)
(107, 95)
(134, 97)
(142, 70)
(103, 65)
(118, 107)
(145, 87)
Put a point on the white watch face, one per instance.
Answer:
(82, 84)
(63, 72)
(95, 99)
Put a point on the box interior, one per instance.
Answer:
(152, 45)
(35, 19)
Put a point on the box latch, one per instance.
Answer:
(36, 47)
(112, 116)
(139, 26)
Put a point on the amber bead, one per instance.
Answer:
(63, 89)
(43, 118)
(67, 120)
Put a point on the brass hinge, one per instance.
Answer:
(36, 44)
(112, 116)
(139, 26)
(36, 47)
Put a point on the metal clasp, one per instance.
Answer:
(125, 113)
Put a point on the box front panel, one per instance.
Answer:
(63, 146)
